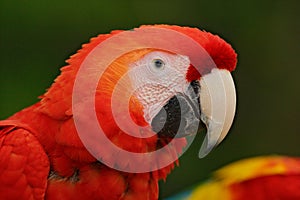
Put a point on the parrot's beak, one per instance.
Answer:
(206, 104)
(217, 107)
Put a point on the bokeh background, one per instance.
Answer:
(37, 36)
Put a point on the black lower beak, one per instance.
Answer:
(180, 116)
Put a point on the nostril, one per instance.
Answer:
(195, 84)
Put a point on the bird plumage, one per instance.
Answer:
(42, 156)
(259, 178)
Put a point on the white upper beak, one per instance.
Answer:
(218, 102)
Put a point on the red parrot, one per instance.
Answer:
(259, 178)
(43, 157)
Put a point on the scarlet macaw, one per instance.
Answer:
(258, 178)
(43, 157)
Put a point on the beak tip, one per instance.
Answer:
(206, 148)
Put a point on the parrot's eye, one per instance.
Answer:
(158, 63)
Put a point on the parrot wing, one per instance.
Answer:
(24, 165)
(263, 177)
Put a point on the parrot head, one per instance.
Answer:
(147, 97)
(166, 93)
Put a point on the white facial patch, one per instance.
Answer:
(156, 78)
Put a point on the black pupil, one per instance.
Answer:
(158, 63)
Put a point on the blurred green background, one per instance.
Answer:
(37, 36)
